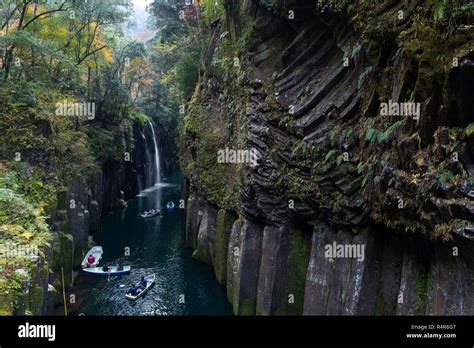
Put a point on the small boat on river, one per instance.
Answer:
(151, 213)
(108, 270)
(170, 206)
(96, 252)
(150, 280)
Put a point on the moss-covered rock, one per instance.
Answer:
(225, 221)
(233, 255)
(192, 221)
(36, 299)
(202, 251)
(246, 279)
(6, 304)
(67, 257)
(298, 260)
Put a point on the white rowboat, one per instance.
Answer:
(150, 280)
(97, 252)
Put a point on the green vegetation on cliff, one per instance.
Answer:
(346, 171)
(69, 80)
(23, 236)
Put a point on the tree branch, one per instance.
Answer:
(44, 14)
(90, 53)
(9, 17)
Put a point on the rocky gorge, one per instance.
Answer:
(76, 215)
(303, 84)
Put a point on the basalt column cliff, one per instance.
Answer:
(305, 86)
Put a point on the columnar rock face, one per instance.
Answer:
(123, 179)
(271, 270)
(307, 93)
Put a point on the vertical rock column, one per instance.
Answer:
(225, 221)
(246, 279)
(202, 248)
(233, 253)
(78, 217)
(211, 233)
(352, 285)
(319, 275)
(413, 293)
(192, 221)
(273, 269)
(451, 289)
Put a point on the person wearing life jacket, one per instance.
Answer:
(91, 260)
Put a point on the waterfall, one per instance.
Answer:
(157, 156)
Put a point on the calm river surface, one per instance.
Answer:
(157, 245)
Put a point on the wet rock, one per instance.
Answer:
(246, 280)
(233, 257)
(66, 256)
(192, 221)
(94, 215)
(292, 274)
(122, 204)
(54, 298)
(211, 233)
(391, 267)
(354, 298)
(320, 273)
(273, 267)
(413, 292)
(450, 291)
(202, 251)
(341, 277)
(225, 222)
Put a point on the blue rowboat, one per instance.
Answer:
(110, 271)
(150, 280)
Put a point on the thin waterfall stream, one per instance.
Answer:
(157, 155)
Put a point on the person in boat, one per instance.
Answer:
(90, 260)
(119, 267)
(143, 283)
(132, 291)
(106, 268)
